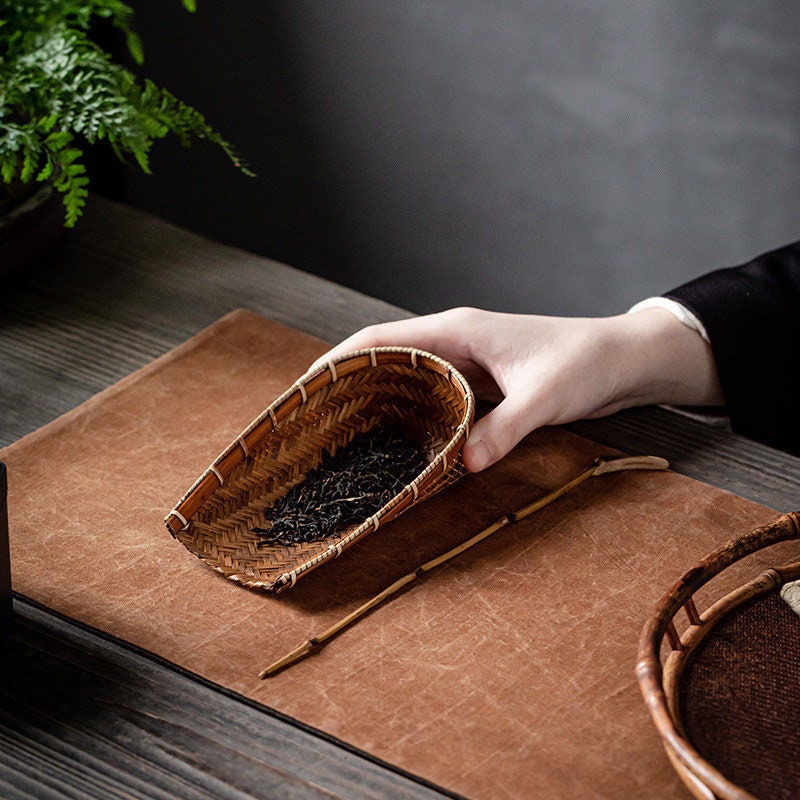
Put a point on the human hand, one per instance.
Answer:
(553, 370)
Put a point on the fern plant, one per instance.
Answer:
(59, 91)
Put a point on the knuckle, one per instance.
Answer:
(366, 337)
(466, 312)
(463, 317)
(368, 332)
(508, 432)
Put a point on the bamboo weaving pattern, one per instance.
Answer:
(409, 389)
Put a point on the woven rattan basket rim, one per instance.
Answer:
(659, 684)
(292, 401)
(770, 580)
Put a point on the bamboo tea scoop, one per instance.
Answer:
(600, 466)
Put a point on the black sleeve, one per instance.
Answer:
(752, 316)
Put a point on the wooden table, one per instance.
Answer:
(83, 716)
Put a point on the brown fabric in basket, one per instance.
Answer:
(507, 673)
(739, 698)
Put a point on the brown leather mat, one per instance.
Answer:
(507, 673)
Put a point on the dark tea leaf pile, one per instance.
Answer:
(344, 489)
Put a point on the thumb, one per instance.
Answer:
(494, 435)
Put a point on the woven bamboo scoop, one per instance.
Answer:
(403, 388)
(600, 466)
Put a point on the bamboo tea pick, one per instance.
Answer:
(601, 466)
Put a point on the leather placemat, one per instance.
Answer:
(507, 673)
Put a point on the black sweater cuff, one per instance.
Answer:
(752, 316)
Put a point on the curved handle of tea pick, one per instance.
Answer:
(614, 464)
(601, 466)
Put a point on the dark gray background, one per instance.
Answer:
(566, 157)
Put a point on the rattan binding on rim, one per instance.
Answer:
(660, 681)
(403, 387)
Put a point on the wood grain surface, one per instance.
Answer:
(83, 717)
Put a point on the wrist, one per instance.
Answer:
(663, 361)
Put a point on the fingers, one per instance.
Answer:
(455, 335)
(448, 334)
(416, 332)
(496, 434)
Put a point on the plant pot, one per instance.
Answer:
(32, 220)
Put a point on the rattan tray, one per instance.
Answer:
(725, 698)
(403, 387)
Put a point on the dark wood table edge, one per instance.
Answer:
(5, 554)
(31, 610)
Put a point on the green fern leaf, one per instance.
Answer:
(9, 170)
(45, 172)
(59, 92)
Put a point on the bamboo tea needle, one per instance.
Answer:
(601, 466)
